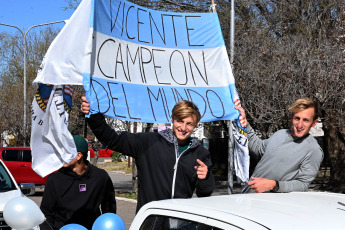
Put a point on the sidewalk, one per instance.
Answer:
(126, 210)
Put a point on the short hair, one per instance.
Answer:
(184, 109)
(305, 103)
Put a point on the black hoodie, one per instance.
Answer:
(162, 172)
(72, 198)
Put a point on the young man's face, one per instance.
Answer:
(184, 128)
(302, 122)
(74, 161)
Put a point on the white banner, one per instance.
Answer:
(51, 143)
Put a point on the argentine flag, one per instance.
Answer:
(136, 63)
(145, 61)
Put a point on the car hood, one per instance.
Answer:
(6, 196)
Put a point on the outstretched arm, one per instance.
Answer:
(124, 142)
(256, 145)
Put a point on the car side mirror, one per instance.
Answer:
(27, 189)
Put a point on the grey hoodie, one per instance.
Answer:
(293, 162)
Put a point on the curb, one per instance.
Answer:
(126, 199)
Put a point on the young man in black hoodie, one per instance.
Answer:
(170, 163)
(78, 193)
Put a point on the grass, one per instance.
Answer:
(115, 166)
(128, 195)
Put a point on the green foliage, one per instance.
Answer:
(116, 156)
(129, 195)
(12, 74)
(72, 4)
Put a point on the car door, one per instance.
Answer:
(11, 159)
(18, 161)
(27, 173)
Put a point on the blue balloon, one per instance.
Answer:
(73, 227)
(108, 221)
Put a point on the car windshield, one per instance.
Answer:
(6, 182)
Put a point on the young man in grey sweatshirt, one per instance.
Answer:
(290, 158)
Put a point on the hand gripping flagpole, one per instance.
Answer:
(213, 7)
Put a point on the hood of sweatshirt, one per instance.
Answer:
(169, 136)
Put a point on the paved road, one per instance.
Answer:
(121, 181)
(126, 207)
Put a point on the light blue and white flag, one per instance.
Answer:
(144, 61)
(136, 63)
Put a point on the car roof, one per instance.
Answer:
(18, 147)
(299, 210)
(15, 147)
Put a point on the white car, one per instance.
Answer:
(295, 210)
(9, 189)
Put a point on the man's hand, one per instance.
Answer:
(243, 118)
(259, 184)
(201, 170)
(85, 106)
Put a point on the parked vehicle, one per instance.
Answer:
(105, 153)
(18, 161)
(91, 153)
(295, 210)
(9, 189)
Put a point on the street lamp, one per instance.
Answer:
(24, 40)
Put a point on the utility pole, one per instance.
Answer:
(231, 137)
(232, 32)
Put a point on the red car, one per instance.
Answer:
(105, 153)
(18, 161)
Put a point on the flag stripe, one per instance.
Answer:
(133, 23)
(121, 100)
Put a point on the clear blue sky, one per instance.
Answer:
(26, 13)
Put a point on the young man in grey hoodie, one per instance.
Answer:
(290, 158)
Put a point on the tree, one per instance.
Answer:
(72, 4)
(285, 50)
(11, 78)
